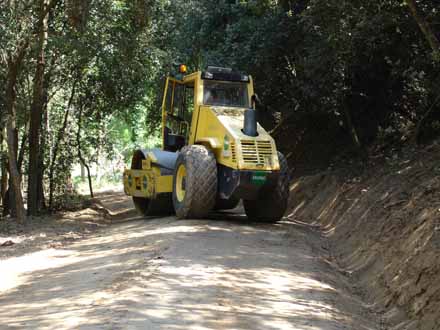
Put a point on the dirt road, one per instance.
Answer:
(220, 273)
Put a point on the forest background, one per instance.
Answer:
(81, 81)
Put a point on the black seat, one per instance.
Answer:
(173, 142)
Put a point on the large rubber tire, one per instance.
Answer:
(271, 204)
(160, 206)
(194, 196)
(226, 204)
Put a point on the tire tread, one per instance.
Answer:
(201, 182)
(271, 206)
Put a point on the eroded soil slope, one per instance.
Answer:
(383, 226)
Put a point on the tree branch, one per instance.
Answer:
(424, 27)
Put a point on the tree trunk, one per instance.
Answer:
(13, 170)
(3, 169)
(12, 209)
(99, 162)
(22, 151)
(83, 172)
(81, 158)
(14, 62)
(351, 128)
(424, 27)
(45, 143)
(4, 183)
(58, 141)
(41, 168)
(35, 177)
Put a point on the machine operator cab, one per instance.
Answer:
(215, 87)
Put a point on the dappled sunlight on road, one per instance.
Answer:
(170, 274)
(14, 271)
(246, 295)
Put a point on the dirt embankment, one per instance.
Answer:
(384, 228)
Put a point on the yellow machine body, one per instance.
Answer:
(148, 181)
(219, 128)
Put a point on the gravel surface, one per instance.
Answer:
(220, 273)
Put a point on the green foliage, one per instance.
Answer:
(367, 60)
(342, 64)
(99, 64)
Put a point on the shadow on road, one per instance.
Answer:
(223, 272)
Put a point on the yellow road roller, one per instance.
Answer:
(214, 153)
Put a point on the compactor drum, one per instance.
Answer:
(214, 153)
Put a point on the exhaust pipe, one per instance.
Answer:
(250, 123)
(250, 118)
